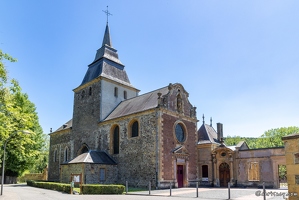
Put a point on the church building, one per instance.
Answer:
(117, 135)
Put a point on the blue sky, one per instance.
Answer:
(237, 59)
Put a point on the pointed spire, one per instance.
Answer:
(211, 122)
(107, 40)
(203, 118)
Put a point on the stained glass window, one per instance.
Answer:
(179, 133)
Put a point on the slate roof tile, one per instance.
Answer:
(95, 157)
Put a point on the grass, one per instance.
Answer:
(77, 190)
(132, 189)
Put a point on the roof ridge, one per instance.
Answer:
(86, 156)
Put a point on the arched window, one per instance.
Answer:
(83, 149)
(115, 91)
(82, 94)
(125, 94)
(55, 155)
(116, 140)
(90, 91)
(135, 129)
(205, 171)
(65, 154)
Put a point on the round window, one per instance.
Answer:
(179, 133)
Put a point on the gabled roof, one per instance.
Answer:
(207, 134)
(242, 145)
(66, 125)
(95, 157)
(137, 104)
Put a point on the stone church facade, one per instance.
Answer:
(117, 135)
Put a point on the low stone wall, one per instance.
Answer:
(36, 176)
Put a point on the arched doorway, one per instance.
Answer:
(224, 175)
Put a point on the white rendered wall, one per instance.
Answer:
(109, 101)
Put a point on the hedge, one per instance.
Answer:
(102, 189)
(86, 188)
(63, 187)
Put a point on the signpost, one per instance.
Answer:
(76, 178)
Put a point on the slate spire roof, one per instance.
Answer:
(106, 39)
(207, 134)
(107, 64)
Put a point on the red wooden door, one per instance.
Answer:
(180, 175)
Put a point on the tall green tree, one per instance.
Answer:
(17, 113)
(271, 138)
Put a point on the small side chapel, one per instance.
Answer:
(219, 165)
(117, 135)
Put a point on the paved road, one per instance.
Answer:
(24, 192)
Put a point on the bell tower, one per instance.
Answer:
(104, 86)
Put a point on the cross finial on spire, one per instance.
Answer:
(107, 13)
(203, 118)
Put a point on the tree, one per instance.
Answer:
(271, 138)
(42, 161)
(17, 113)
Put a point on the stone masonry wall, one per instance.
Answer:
(67, 170)
(292, 163)
(266, 161)
(86, 115)
(137, 155)
(59, 141)
(92, 175)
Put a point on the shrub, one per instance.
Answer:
(63, 187)
(102, 189)
(86, 188)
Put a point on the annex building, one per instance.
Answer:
(117, 135)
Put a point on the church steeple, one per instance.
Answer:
(106, 62)
(107, 39)
(107, 51)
